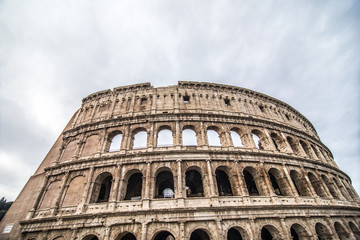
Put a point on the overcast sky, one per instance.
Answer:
(54, 53)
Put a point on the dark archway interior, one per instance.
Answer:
(275, 185)
(199, 235)
(194, 184)
(91, 237)
(265, 234)
(223, 183)
(294, 235)
(322, 232)
(164, 180)
(105, 189)
(134, 187)
(128, 236)
(250, 184)
(300, 184)
(234, 234)
(164, 235)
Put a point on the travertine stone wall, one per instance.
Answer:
(281, 182)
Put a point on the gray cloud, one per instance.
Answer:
(54, 53)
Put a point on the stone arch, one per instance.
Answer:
(279, 183)
(164, 183)
(126, 236)
(341, 189)
(279, 142)
(51, 194)
(294, 146)
(214, 136)
(306, 149)
(315, 151)
(74, 191)
(316, 184)
(254, 182)
(139, 138)
(236, 138)
(330, 186)
(200, 234)
(134, 185)
(322, 232)
(69, 150)
(298, 232)
(237, 233)
(101, 188)
(300, 183)
(165, 136)
(90, 237)
(341, 232)
(91, 145)
(114, 141)
(355, 230)
(269, 232)
(58, 238)
(189, 136)
(260, 139)
(163, 235)
(194, 183)
(223, 182)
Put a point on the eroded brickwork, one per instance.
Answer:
(191, 161)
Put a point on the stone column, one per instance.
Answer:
(178, 133)
(309, 185)
(61, 193)
(284, 229)
(253, 229)
(148, 185)
(107, 233)
(203, 139)
(182, 231)
(241, 184)
(211, 178)
(180, 188)
(267, 182)
(219, 229)
(86, 194)
(144, 227)
(126, 139)
(291, 183)
(115, 191)
(326, 188)
(176, 100)
(39, 197)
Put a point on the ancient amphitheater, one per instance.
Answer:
(192, 161)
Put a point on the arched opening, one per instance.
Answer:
(316, 185)
(164, 235)
(341, 232)
(269, 232)
(194, 186)
(298, 232)
(59, 238)
(164, 185)
(277, 141)
(213, 138)
(306, 148)
(322, 232)
(280, 184)
(223, 183)
(236, 233)
(134, 187)
(189, 137)
(294, 146)
(140, 139)
(257, 141)
(236, 139)
(300, 183)
(330, 186)
(199, 234)
(355, 230)
(315, 151)
(126, 236)
(115, 139)
(91, 237)
(250, 183)
(275, 184)
(102, 188)
(164, 138)
(343, 193)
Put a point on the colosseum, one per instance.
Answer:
(194, 161)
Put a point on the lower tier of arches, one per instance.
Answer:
(201, 225)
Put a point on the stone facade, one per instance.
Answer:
(192, 161)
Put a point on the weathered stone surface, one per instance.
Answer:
(255, 169)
